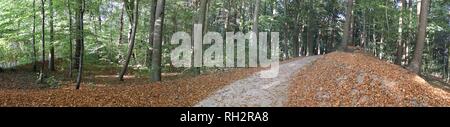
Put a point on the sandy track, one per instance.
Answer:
(257, 92)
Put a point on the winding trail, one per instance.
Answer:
(258, 92)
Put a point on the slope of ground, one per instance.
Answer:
(356, 79)
(101, 87)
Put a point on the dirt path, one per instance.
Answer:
(255, 91)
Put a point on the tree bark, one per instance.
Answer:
(347, 26)
(295, 42)
(52, 35)
(121, 24)
(157, 41)
(132, 39)
(410, 33)
(70, 40)
(309, 32)
(286, 35)
(255, 27)
(34, 37)
(399, 54)
(100, 16)
(416, 62)
(200, 20)
(151, 31)
(80, 41)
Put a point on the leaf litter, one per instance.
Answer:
(358, 79)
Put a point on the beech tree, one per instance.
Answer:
(131, 39)
(157, 41)
(416, 62)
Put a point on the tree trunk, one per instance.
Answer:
(157, 41)
(334, 21)
(364, 32)
(309, 39)
(351, 28)
(52, 34)
(70, 39)
(297, 31)
(347, 24)
(34, 37)
(132, 39)
(80, 40)
(286, 28)
(227, 11)
(318, 41)
(255, 28)
(410, 34)
(399, 55)
(150, 36)
(295, 41)
(416, 62)
(121, 24)
(100, 16)
(42, 73)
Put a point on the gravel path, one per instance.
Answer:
(257, 92)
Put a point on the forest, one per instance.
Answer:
(119, 52)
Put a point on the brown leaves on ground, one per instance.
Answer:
(357, 79)
(102, 88)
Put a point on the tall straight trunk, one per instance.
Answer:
(131, 40)
(34, 37)
(42, 73)
(386, 16)
(352, 29)
(121, 24)
(129, 9)
(347, 26)
(255, 26)
(399, 55)
(309, 40)
(99, 16)
(318, 41)
(77, 38)
(295, 41)
(286, 41)
(410, 33)
(419, 8)
(255, 17)
(334, 18)
(227, 12)
(309, 33)
(157, 41)
(286, 28)
(80, 40)
(52, 35)
(364, 31)
(70, 39)
(329, 45)
(416, 62)
(374, 37)
(150, 33)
